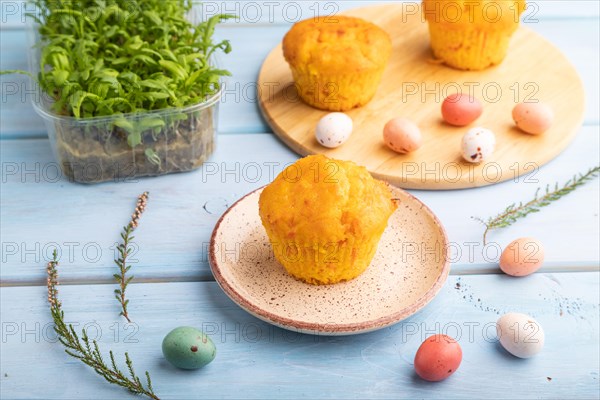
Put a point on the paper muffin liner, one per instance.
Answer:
(336, 92)
(469, 48)
(320, 263)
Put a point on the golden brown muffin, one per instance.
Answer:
(472, 34)
(324, 218)
(337, 62)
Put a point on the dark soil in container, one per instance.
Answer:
(90, 153)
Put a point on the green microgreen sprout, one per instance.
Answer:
(101, 58)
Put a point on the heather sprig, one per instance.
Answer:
(88, 351)
(124, 250)
(514, 212)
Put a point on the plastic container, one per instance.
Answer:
(95, 149)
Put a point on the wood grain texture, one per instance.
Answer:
(239, 112)
(181, 214)
(286, 12)
(258, 361)
(40, 211)
(414, 87)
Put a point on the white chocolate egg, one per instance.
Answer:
(521, 335)
(334, 129)
(478, 145)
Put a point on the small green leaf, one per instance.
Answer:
(153, 84)
(16, 71)
(130, 76)
(134, 138)
(77, 100)
(177, 70)
(113, 103)
(153, 96)
(135, 43)
(144, 59)
(168, 54)
(179, 117)
(125, 124)
(153, 17)
(60, 76)
(152, 156)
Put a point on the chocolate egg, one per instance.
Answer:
(188, 348)
(460, 109)
(522, 257)
(402, 135)
(438, 357)
(533, 118)
(334, 129)
(521, 335)
(478, 145)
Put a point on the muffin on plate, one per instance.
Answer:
(337, 62)
(472, 35)
(324, 218)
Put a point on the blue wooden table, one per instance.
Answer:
(173, 284)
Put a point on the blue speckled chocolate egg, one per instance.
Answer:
(188, 348)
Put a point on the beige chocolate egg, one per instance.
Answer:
(533, 118)
(522, 257)
(402, 135)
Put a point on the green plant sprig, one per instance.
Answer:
(114, 57)
(118, 56)
(88, 351)
(515, 212)
(124, 250)
(16, 71)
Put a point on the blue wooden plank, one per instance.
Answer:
(182, 212)
(584, 59)
(239, 106)
(12, 13)
(239, 112)
(40, 210)
(255, 360)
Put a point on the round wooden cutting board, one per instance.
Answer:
(414, 86)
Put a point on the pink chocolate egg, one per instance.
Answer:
(522, 257)
(533, 118)
(402, 135)
(461, 109)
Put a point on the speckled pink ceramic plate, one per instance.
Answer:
(408, 270)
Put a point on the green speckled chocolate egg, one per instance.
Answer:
(188, 348)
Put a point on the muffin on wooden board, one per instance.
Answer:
(324, 218)
(337, 62)
(472, 34)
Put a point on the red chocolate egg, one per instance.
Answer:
(461, 109)
(438, 357)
